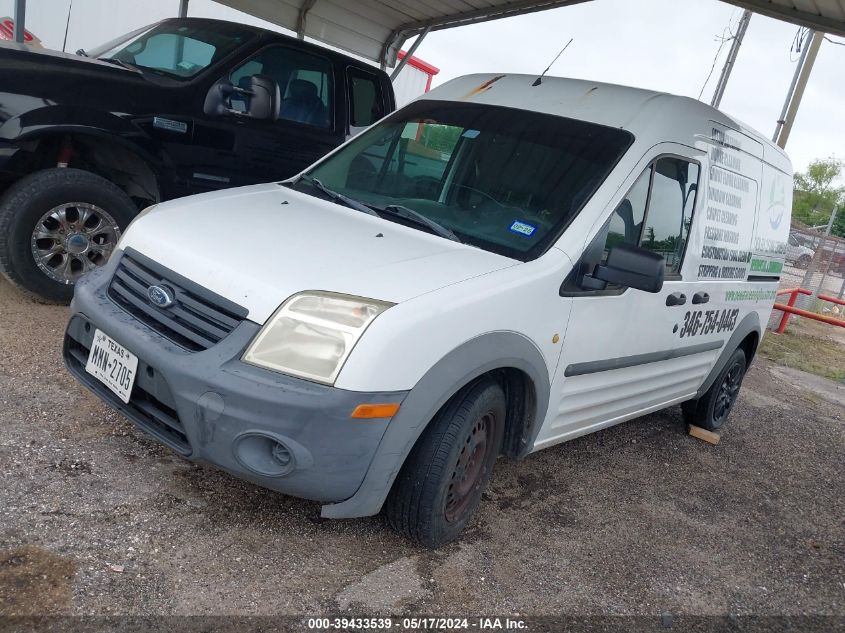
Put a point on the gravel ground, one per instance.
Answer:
(639, 519)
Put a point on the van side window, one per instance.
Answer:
(626, 222)
(669, 216)
(304, 82)
(657, 212)
(365, 99)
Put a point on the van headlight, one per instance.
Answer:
(312, 334)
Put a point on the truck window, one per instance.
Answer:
(656, 214)
(305, 83)
(365, 99)
(176, 50)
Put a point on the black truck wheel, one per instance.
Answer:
(56, 225)
(711, 410)
(441, 482)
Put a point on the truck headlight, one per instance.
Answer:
(312, 334)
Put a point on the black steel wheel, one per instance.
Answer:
(440, 485)
(712, 409)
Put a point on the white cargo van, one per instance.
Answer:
(495, 268)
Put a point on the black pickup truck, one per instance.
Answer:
(181, 107)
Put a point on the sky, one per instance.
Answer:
(665, 45)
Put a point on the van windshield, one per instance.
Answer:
(505, 180)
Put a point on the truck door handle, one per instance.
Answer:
(676, 299)
(700, 297)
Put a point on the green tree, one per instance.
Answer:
(817, 193)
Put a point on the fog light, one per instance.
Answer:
(281, 454)
(263, 454)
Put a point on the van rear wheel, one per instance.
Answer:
(441, 483)
(56, 225)
(711, 410)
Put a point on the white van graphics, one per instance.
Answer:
(493, 269)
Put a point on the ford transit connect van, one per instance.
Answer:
(492, 270)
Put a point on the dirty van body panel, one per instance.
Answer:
(204, 405)
(483, 354)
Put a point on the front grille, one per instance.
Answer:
(198, 318)
(151, 404)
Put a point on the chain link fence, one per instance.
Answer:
(814, 261)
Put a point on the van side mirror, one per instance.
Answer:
(260, 99)
(630, 266)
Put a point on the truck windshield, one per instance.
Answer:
(505, 180)
(175, 49)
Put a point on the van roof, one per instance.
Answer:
(632, 109)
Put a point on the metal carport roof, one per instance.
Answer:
(376, 29)
(819, 15)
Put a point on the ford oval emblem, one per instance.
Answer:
(160, 296)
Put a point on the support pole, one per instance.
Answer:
(183, 8)
(731, 60)
(816, 263)
(409, 54)
(20, 20)
(303, 17)
(796, 89)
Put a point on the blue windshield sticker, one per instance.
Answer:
(523, 228)
(471, 133)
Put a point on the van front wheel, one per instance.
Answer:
(711, 410)
(441, 482)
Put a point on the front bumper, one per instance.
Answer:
(210, 407)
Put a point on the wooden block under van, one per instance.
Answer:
(703, 434)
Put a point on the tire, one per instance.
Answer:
(803, 262)
(429, 503)
(712, 409)
(79, 217)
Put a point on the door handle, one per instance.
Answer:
(676, 299)
(700, 297)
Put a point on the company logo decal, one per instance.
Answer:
(777, 206)
(161, 296)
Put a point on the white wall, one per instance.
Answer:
(409, 85)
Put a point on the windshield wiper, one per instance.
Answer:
(337, 197)
(119, 62)
(419, 218)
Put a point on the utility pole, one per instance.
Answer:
(731, 60)
(183, 8)
(20, 20)
(796, 88)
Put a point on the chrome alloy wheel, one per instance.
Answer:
(73, 239)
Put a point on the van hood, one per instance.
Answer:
(258, 245)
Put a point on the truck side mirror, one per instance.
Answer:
(630, 266)
(260, 99)
(265, 100)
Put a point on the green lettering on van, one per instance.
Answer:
(764, 266)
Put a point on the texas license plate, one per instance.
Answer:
(112, 364)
